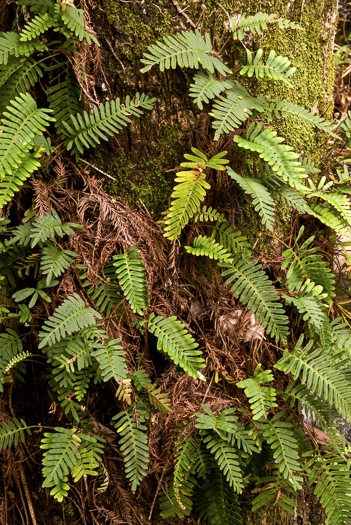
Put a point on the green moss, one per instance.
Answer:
(148, 179)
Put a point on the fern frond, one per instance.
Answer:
(207, 213)
(223, 424)
(81, 383)
(231, 111)
(261, 198)
(282, 192)
(275, 491)
(322, 373)
(54, 262)
(158, 399)
(107, 294)
(204, 462)
(280, 157)
(86, 130)
(232, 240)
(132, 279)
(186, 196)
(185, 49)
(329, 217)
(257, 23)
(309, 303)
(73, 18)
(11, 346)
(169, 505)
(217, 503)
(261, 398)
(71, 316)
(12, 431)
(110, 356)
(339, 201)
(206, 246)
(10, 44)
(38, 6)
(45, 227)
(275, 67)
(37, 26)
(206, 87)
(17, 78)
(183, 465)
(308, 405)
(255, 290)
(227, 460)
(280, 437)
(89, 460)
(174, 339)
(331, 473)
(133, 445)
(11, 183)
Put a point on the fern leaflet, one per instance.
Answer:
(227, 460)
(275, 67)
(12, 431)
(10, 44)
(206, 246)
(132, 279)
(206, 87)
(110, 356)
(217, 503)
(54, 262)
(261, 398)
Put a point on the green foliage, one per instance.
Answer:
(206, 246)
(46, 227)
(11, 45)
(169, 505)
(223, 424)
(132, 279)
(274, 68)
(73, 18)
(257, 23)
(185, 49)
(13, 431)
(183, 464)
(158, 399)
(227, 460)
(37, 26)
(133, 445)
(261, 397)
(217, 503)
(55, 262)
(275, 491)
(206, 87)
(107, 293)
(174, 339)
(110, 356)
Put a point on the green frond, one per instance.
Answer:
(331, 474)
(338, 201)
(183, 464)
(10, 183)
(308, 166)
(49, 225)
(13, 431)
(207, 214)
(308, 405)
(257, 23)
(283, 108)
(185, 49)
(110, 356)
(17, 78)
(168, 503)
(86, 129)
(280, 436)
(60, 457)
(274, 490)
(206, 87)
(10, 44)
(11, 346)
(174, 339)
(133, 445)
(261, 198)
(199, 161)
(187, 195)
(216, 502)
(15, 360)
(254, 289)
(107, 293)
(37, 26)
(38, 6)
(204, 462)
(243, 440)
(310, 303)
(73, 18)
(322, 373)
(223, 424)
(305, 263)
(280, 157)
(158, 399)
(206, 246)
(54, 262)
(81, 383)
(227, 460)
(71, 316)
(132, 279)
(282, 192)
(329, 217)
(89, 460)
(275, 67)
(261, 398)
(232, 240)
(231, 111)
(74, 351)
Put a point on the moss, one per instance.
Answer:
(147, 179)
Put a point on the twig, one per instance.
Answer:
(27, 494)
(182, 12)
(98, 169)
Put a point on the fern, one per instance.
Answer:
(232, 240)
(37, 26)
(309, 303)
(37, 6)
(185, 49)
(279, 156)
(257, 23)
(231, 111)
(16, 78)
(308, 405)
(158, 399)
(206, 87)
(223, 424)
(261, 398)
(322, 374)
(275, 67)
(11, 347)
(207, 214)
(133, 445)
(183, 464)
(90, 450)
(54, 262)
(71, 316)
(282, 192)
(132, 279)
(107, 294)
(227, 460)
(10, 44)
(217, 504)
(13, 431)
(280, 437)
(261, 199)
(10, 183)
(254, 289)
(274, 492)
(175, 340)
(169, 505)
(74, 19)
(49, 225)
(110, 356)
(86, 130)
(338, 201)
(329, 217)
(206, 246)
(331, 473)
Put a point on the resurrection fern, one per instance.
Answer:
(158, 399)
(37, 26)
(110, 356)
(183, 464)
(309, 405)
(338, 201)
(227, 460)
(274, 490)
(10, 44)
(206, 246)
(132, 279)
(133, 445)
(206, 87)
(207, 214)
(71, 316)
(254, 289)
(274, 68)
(282, 192)
(88, 464)
(13, 431)
(11, 182)
(47, 226)
(18, 77)
(54, 262)
(169, 505)
(231, 111)
(329, 217)
(257, 23)
(216, 502)
(261, 198)
(223, 424)
(107, 293)
(174, 339)
(85, 130)
(73, 18)
(309, 303)
(185, 49)
(38, 6)
(230, 239)
(261, 398)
